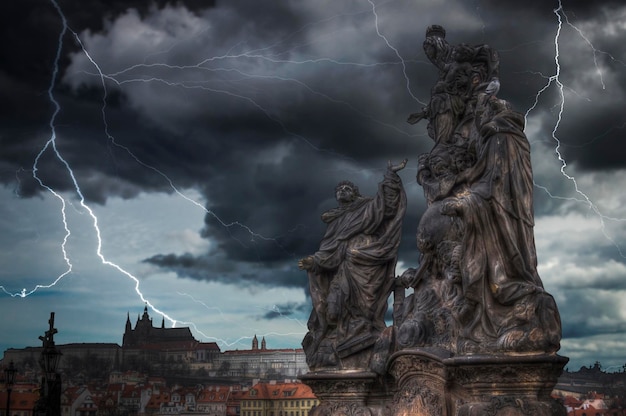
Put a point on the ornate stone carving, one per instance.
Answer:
(416, 398)
(477, 289)
(352, 274)
(422, 379)
(350, 392)
(504, 384)
(340, 409)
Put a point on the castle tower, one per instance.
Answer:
(145, 333)
(128, 332)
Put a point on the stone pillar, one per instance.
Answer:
(431, 382)
(349, 393)
(504, 385)
(421, 378)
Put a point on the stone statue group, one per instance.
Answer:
(476, 289)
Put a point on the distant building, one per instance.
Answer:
(23, 398)
(146, 348)
(262, 363)
(278, 399)
(212, 400)
(145, 333)
(160, 344)
(78, 401)
(28, 358)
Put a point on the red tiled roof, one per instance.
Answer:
(217, 394)
(279, 391)
(20, 400)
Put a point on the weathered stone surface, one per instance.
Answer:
(350, 393)
(503, 385)
(352, 274)
(421, 376)
(477, 289)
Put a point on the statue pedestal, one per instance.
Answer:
(505, 385)
(348, 393)
(421, 376)
(432, 383)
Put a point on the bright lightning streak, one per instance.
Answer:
(406, 77)
(52, 144)
(555, 79)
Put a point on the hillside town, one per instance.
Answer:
(161, 371)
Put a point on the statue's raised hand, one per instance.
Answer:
(395, 168)
(306, 263)
(414, 118)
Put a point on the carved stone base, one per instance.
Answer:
(349, 393)
(432, 383)
(505, 385)
(421, 378)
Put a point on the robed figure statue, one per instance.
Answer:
(352, 273)
(476, 289)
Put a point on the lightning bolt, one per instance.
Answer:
(51, 145)
(406, 77)
(559, 12)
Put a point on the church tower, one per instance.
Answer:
(255, 343)
(263, 346)
(144, 333)
(127, 339)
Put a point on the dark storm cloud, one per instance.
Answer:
(30, 32)
(597, 317)
(267, 133)
(286, 310)
(212, 268)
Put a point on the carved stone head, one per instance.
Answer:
(346, 192)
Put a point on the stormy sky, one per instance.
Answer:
(180, 153)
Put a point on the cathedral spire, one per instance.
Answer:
(145, 315)
(255, 343)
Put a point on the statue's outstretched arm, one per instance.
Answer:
(398, 167)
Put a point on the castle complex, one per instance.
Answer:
(158, 346)
(146, 334)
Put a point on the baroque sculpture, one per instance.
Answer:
(352, 273)
(477, 288)
(478, 333)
